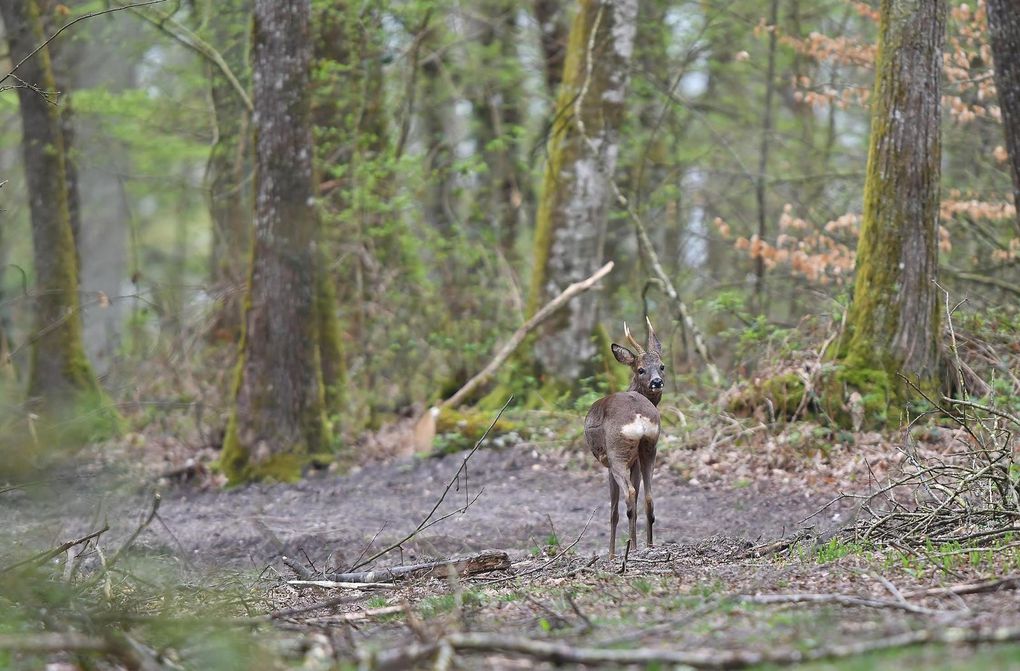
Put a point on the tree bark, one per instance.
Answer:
(229, 164)
(893, 322)
(551, 16)
(572, 210)
(1004, 29)
(278, 419)
(59, 370)
(497, 106)
(97, 63)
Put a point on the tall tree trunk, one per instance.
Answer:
(763, 159)
(230, 163)
(497, 106)
(438, 128)
(551, 16)
(893, 323)
(572, 210)
(278, 420)
(59, 371)
(1004, 27)
(97, 63)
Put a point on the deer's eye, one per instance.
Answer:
(662, 367)
(640, 371)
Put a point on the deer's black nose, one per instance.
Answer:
(656, 383)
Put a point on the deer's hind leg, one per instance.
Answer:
(619, 476)
(635, 487)
(614, 513)
(647, 460)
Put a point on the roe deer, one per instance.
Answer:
(622, 430)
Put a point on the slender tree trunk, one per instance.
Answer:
(497, 108)
(1004, 27)
(59, 370)
(551, 16)
(230, 163)
(278, 419)
(101, 238)
(438, 129)
(893, 323)
(763, 159)
(572, 211)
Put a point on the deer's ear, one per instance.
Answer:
(623, 355)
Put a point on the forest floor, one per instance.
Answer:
(715, 592)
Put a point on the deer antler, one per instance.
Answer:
(630, 339)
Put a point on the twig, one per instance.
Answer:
(425, 522)
(546, 565)
(110, 10)
(44, 557)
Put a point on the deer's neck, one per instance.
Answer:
(653, 395)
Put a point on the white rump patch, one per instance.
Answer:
(640, 427)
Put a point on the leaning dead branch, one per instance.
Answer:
(520, 334)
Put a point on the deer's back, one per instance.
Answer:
(620, 423)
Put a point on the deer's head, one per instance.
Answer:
(645, 363)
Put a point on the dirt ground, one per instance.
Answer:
(524, 497)
(702, 591)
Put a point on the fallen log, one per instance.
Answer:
(483, 562)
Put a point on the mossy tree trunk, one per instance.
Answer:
(230, 162)
(893, 322)
(1004, 29)
(278, 420)
(59, 371)
(573, 205)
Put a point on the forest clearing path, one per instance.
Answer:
(527, 497)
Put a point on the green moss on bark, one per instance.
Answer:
(893, 321)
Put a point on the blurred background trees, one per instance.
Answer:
(442, 138)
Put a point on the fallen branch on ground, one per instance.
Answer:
(841, 599)
(562, 653)
(483, 562)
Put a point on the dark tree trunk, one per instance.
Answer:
(59, 370)
(893, 323)
(230, 164)
(551, 16)
(497, 105)
(278, 419)
(1004, 27)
